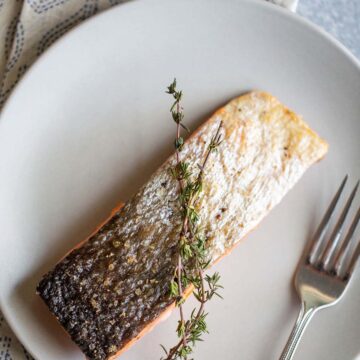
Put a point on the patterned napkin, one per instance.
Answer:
(27, 29)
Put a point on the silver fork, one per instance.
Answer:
(325, 269)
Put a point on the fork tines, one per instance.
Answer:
(331, 254)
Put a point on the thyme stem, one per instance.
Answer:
(191, 260)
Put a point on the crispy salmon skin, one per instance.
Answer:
(114, 287)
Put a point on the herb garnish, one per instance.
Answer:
(192, 260)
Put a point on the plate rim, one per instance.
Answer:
(285, 13)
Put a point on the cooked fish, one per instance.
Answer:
(114, 286)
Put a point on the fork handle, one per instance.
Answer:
(305, 315)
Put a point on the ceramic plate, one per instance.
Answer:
(89, 123)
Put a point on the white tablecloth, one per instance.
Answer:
(27, 29)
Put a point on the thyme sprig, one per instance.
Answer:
(192, 260)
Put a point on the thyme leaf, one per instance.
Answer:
(192, 259)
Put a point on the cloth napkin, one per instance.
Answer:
(27, 29)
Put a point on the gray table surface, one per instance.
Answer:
(341, 18)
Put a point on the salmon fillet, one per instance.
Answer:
(114, 286)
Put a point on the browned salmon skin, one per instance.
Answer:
(114, 287)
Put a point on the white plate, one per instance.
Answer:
(90, 122)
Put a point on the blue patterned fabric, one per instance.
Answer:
(29, 27)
